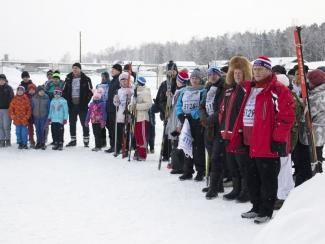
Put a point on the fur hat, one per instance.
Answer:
(242, 63)
(98, 93)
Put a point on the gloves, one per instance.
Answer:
(280, 148)
(116, 101)
(181, 118)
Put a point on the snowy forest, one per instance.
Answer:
(275, 43)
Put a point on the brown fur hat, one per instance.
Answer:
(242, 63)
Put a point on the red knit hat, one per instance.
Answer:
(316, 78)
(183, 76)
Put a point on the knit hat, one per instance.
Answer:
(118, 67)
(214, 70)
(123, 76)
(21, 88)
(171, 65)
(196, 73)
(58, 91)
(50, 72)
(3, 77)
(279, 69)
(40, 88)
(25, 74)
(31, 87)
(263, 61)
(76, 65)
(183, 77)
(316, 78)
(56, 75)
(106, 75)
(141, 80)
(322, 68)
(283, 79)
(98, 93)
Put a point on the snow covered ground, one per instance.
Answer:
(80, 196)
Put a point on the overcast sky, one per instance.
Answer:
(46, 30)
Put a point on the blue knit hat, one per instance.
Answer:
(141, 80)
(214, 70)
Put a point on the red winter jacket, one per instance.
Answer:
(273, 120)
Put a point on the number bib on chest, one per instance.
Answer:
(249, 111)
(191, 101)
(210, 99)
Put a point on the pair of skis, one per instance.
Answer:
(167, 113)
(316, 164)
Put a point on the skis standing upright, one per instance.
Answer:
(316, 165)
(167, 113)
(126, 116)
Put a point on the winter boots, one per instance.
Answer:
(215, 185)
(58, 146)
(2, 143)
(235, 191)
(185, 176)
(7, 143)
(243, 195)
(251, 214)
(72, 143)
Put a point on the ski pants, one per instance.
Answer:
(74, 112)
(141, 135)
(5, 124)
(57, 130)
(40, 126)
(262, 182)
(97, 131)
(198, 149)
(21, 134)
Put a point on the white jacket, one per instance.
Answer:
(143, 103)
(124, 95)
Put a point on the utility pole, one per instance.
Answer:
(80, 47)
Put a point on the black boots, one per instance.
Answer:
(243, 195)
(235, 191)
(216, 185)
(72, 143)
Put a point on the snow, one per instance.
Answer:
(80, 196)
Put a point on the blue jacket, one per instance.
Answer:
(194, 111)
(58, 110)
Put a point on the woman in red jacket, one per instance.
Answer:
(263, 127)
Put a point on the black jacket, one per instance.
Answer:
(25, 85)
(6, 95)
(161, 98)
(85, 90)
(112, 91)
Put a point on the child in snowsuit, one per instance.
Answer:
(121, 100)
(20, 111)
(40, 111)
(31, 90)
(58, 116)
(141, 104)
(97, 116)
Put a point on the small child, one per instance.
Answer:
(97, 115)
(58, 116)
(120, 101)
(142, 103)
(40, 108)
(20, 111)
(31, 90)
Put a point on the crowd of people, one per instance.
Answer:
(242, 126)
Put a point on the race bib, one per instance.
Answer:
(191, 101)
(210, 99)
(249, 110)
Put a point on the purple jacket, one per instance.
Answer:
(96, 113)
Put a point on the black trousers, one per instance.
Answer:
(97, 130)
(177, 156)
(57, 130)
(74, 112)
(218, 156)
(198, 149)
(262, 182)
(237, 164)
(111, 128)
(103, 136)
